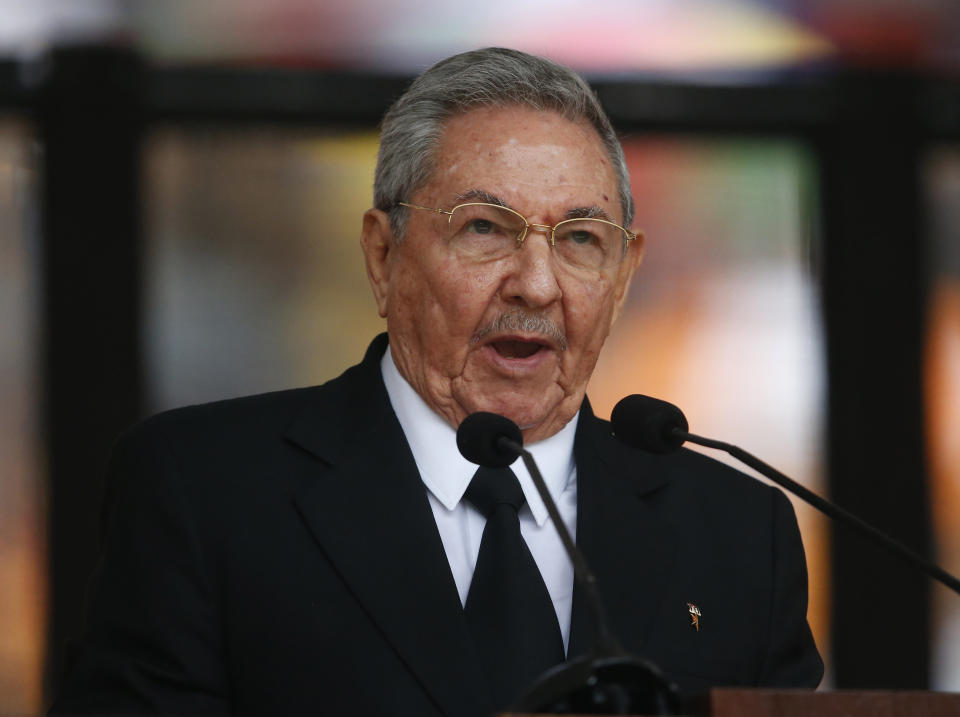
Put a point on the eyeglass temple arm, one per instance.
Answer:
(428, 209)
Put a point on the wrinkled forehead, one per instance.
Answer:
(526, 151)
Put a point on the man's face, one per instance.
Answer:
(445, 312)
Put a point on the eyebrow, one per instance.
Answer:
(482, 195)
(591, 212)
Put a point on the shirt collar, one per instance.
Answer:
(446, 473)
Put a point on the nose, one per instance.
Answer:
(532, 280)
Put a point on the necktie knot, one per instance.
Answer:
(493, 487)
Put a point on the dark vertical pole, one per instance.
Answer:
(873, 289)
(90, 126)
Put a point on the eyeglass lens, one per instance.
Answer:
(483, 232)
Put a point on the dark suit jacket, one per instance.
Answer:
(278, 555)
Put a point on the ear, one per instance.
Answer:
(376, 240)
(628, 267)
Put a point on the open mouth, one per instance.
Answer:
(514, 349)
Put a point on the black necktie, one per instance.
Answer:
(509, 611)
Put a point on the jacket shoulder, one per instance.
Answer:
(254, 413)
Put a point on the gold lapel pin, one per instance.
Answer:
(694, 616)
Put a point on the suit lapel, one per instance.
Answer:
(369, 513)
(628, 544)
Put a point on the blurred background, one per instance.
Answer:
(181, 187)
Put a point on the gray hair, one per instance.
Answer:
(492, 77)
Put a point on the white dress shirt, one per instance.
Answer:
(447, 474)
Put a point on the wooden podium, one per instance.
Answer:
(805, 703)
(842, 703)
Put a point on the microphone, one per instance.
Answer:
(489, 439)
(656, 426)
(649, 424)
(607, 681)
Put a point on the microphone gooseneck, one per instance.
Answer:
(608, 676)
(659, 427)
(491, 440)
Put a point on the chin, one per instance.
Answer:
(530, 408)
(525, 417)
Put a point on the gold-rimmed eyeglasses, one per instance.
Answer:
(480, 232)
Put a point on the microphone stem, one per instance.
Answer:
(606, 644)
(834, 511)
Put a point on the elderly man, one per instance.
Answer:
(328, 550)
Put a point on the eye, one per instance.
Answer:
(587, 243)
(582, 237)
(481, 226)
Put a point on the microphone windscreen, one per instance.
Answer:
(648, 424)
(478, 439)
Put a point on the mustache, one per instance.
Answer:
(524, 322)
